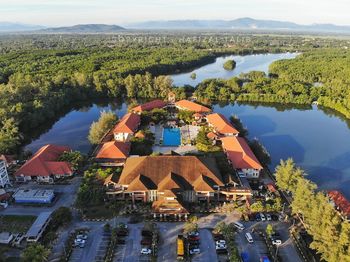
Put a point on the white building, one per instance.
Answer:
(4, 177)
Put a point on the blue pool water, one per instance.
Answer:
(171, 137)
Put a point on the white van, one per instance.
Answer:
(238, 225)
(249, 237)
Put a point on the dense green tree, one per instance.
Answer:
(61, 216)
(98, 129)
(75, 158)
(35, 253)
(230, 65)
(9, 136)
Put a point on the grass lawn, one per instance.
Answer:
(16, 224)
(98, 212)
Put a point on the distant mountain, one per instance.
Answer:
(239, 24)
(18, 27)
(87, 28)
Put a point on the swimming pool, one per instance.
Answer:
(171, 137)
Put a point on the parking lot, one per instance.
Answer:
(207, 246)
(287, 250)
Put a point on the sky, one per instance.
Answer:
(123, 12)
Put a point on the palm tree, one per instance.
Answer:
(35, 253)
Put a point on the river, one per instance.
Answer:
(319, 141)
(244, 64)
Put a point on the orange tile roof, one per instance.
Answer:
(114, 150)
(221, 124)
(212, 135)
(44, 162)
(203, 183)
(149, 106)
(141, 183)
(340, 201)
(128, 124)
(239, 153)
(168, 171)
(191, 106)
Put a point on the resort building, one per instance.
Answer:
(113, 153)
(241, 156)
(8, 159)
(36, 196)
(191, 106)
(126, 127)
(44, 167)
(149, 106)
(341, 203)
(221, 126)
(4, 177)
(170, 182)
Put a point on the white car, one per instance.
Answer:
(276, 242)
(220, 246)
(268, 217)
(146, 251)
(262, 217)
(220, 242)
(194, 233)
(195, 251)
(81, 236)
(79, 242)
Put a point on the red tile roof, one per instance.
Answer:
(340, 201)
(128, 124)
(221, 124)
(191, 106)
(149, 106)
(239, 153)
(212, 135)
(44, 163)
(114, 150)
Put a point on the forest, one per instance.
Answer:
(321, 76)
(41, 74)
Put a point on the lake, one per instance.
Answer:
(244, 64)
(318, 140)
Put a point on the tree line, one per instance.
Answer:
(330, 233)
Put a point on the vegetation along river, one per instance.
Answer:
(317, 139)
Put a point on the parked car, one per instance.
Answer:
(249, 238)
(194, 233)
(122, 232)
(276, 242)
(79, 242)
(123, 225)
(193, 237)
(82, 236)
(146, 251)
(218, 237)
(120, 241)
(221, 251)
(146, 241)
(268, 217)
(238, 225)
(274, 217)
(220, 246)
(195, 251)
(257, 217)
(146, 233)
(262, 216)
(220, 242)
